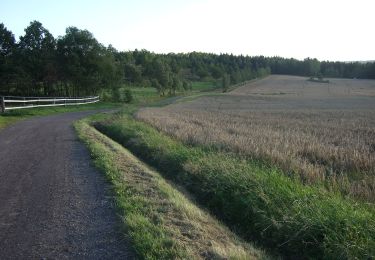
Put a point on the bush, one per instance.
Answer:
(106, 96)
(128, 96)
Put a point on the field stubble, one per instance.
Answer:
(322, 133)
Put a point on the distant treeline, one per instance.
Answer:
(76, 64)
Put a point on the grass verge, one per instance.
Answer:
(204, 86)
(162, 222)
(256, 200)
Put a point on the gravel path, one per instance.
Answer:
(53, 202)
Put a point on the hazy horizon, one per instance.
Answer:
(326, 30)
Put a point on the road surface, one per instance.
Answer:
(53, 202)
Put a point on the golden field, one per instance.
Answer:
(317, 132)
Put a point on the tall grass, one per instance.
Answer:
(330, 147)
(161, 221)
(257, 201)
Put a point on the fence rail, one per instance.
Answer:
(13, 102)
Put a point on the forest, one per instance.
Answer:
(76, 64)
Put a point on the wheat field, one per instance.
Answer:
(320, 133)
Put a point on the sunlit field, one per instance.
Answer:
(321, 133)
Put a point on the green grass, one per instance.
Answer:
(256, 200)
(148, 95)
(13, 116)
(144, 95)
(161, 221)
(200, 86)
(149, 240)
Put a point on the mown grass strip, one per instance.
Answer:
(162, 222)
(258, 201)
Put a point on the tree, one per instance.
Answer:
(109, 70)
(155, 84)
(225, 82)
(7, 69)
(159, 70)
(186, 85)
(37, 53)
(81, 60)
(312, 67)
(176, 84)
(133, 73)
(216, 72)
(7, 41)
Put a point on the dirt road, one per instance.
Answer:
(53, 202)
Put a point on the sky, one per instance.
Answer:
(336, 30)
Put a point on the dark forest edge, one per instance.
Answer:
(76, 64)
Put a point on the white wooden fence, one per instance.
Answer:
(13, 102)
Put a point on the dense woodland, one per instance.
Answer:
(76, 64)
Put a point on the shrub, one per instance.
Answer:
(128, 96)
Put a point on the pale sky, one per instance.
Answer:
(342, 30)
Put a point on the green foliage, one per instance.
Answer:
(312, 66)
(133, 73)
(149, 207)
(128, 96)
(202, 85)
(7, 41)
(186, 85)
(85, 63)
(225, 82)
(36, 52)
(255, 199)
(7, 48)
(77, 64)
(150, 240)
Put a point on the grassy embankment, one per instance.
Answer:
(256, 200)
(161, 221)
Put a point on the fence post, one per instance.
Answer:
(2, 105)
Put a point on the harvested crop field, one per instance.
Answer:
(322, 133)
